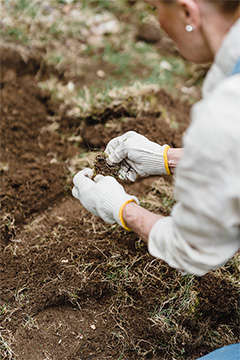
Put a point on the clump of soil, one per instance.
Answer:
(101, 166)
(73, 286)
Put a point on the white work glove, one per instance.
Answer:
(141, 156)
(103, 196)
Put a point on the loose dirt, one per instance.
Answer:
(100, 166)
(74, 287)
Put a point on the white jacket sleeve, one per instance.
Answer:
(203, 231)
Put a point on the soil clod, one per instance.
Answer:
(101, 166)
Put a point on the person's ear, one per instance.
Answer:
(190, 13)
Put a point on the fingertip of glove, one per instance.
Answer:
(132, 175)
(107, 150)
(122, 175)
(87, 172)
(110, 160)
(74, 192)
(98, 177)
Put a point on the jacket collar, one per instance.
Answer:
(225, 59)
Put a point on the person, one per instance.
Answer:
(203, 231)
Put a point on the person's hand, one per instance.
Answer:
(137, 155)
(103, 196)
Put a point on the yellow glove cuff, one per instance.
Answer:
(121, 213)
(166, 159)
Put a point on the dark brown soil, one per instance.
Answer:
(96, 134)
(65, 293)
(100, 166)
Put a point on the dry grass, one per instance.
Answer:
(6, 340)
(155, 310)
(95, 52)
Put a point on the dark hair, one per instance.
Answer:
(225, 6)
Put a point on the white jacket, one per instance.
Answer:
(203, 231)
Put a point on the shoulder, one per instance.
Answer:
(215, 123)
(230, 86)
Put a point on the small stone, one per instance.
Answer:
(70, 86)
(101, 74)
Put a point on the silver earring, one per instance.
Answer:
(189, 28)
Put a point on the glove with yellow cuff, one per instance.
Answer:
(137, 155)
(102, 195)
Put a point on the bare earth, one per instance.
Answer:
(74, 287)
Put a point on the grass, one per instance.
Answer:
(16, 34)
(29, 322)
(125, 62)
(6, 340)
(103, 5)
(127, 282)
(121, 275)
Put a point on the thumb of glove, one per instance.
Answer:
(75, 192)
